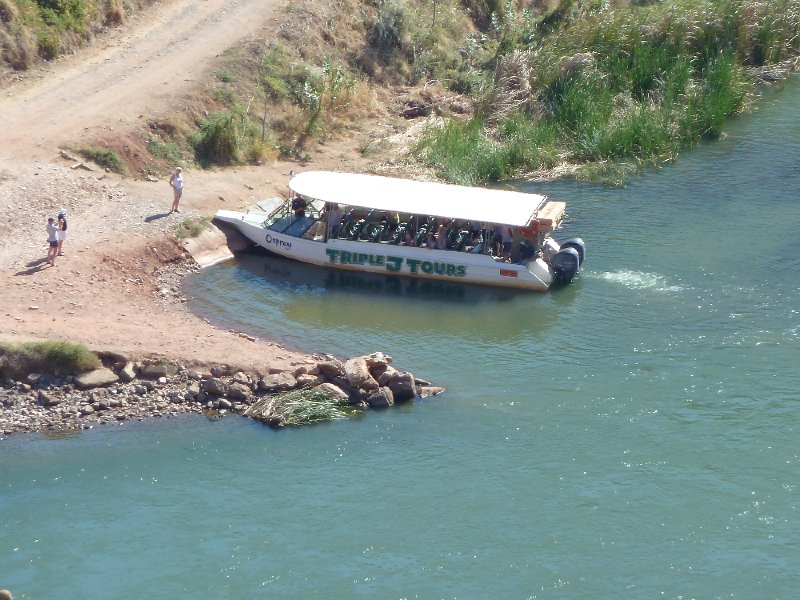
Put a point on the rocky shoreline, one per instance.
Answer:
(124, 390)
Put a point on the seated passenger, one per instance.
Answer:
(507, 235)
(393, 221)
(441, 237)
(299, 207)
(526, 252)
(332, 218)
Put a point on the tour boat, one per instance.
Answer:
(417, 229)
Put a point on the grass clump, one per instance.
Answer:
(165, 150)
(105, 158)
(191, 228)
(48, 357)
(303, 406)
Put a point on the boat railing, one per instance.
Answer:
(383, 227)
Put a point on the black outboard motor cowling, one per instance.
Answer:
(566, 263)
(579, 246)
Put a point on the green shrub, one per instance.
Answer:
(388, 27)
(104, 157)
(224, 75)
(168, 151)
(191, 228)
(56, 357)
(220, 138)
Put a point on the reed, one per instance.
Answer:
(303, 406)
(636, 84)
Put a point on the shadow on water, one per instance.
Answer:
(297, 275)
(296, 302)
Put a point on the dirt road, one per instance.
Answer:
(137, 70)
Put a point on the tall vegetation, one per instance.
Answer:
(598, 84)
(32, 30)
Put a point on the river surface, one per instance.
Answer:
(634, 435)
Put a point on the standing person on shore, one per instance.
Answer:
(176, 181)
(62, 229)
(52, 239)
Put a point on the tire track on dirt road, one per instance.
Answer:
(140, 70)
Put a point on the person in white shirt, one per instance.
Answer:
(52, 238)
(176, 181)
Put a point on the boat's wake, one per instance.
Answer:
(639, 280)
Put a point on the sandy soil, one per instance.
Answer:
(104, 291)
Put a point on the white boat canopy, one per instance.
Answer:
(419, 197)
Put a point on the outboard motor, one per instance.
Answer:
(566, 264)
(579, 246)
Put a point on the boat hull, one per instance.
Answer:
(388, 259)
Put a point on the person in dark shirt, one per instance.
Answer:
(62, 229)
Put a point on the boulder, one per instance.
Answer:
(334, 390)
(48, 399)
(342, 383)
(429, 390)
(378, 359)
(239, 391)
(128, 372)
(278, 382)
(240, 377)
(193, 389)
(370, 385)
(116, 359)
(388, 374)
(306, 380)
(356, 371)
(224, 404)
(380, 398)
(96, 378)
(215, 386)
(330, 368)
(403, 387)
(154, 371)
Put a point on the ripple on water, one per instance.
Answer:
(638, 280)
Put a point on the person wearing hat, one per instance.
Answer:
(176, 181)
(52, 238)
(62, 229)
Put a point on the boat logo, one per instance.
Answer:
(278, 242)
(394, 264)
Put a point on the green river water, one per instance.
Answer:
(634, 435)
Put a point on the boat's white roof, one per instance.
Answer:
(419, 197)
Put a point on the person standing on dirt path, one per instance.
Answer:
(176, 181)
(62, 229)
(52, 239)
